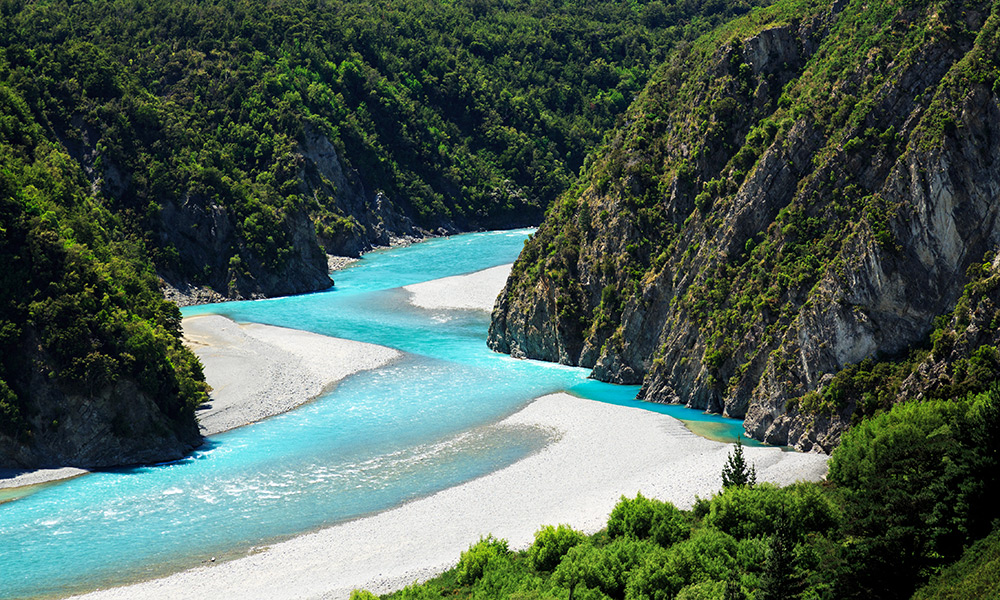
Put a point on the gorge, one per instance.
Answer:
(783, 213)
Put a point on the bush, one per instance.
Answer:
(920, 482)
(619, 559)
(578, 568)
(745, 512)
(704, 590)
(474, 561)
(645, 518)
(551, 544)
(10, 412)
(414, 592)
(653, 581)
(606, 570)
(707, 555)
(975, 575)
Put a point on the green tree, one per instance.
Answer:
(777, 582)
(736, 471)
(551, 544)
(577, 568)
(473, 562)
(734, 591)
(647, 518)
(914, 483)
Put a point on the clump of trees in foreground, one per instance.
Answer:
(908, 507)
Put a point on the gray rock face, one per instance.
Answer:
(204, 233)
(206, 254)
(887, 300)
(376, 220)
(119, 425)
(739, 292)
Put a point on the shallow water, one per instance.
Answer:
(381, 438)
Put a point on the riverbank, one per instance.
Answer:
(601, 452)
(474, 291)
(257, 371)
(15, 478)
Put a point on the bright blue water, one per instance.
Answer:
(419, 425)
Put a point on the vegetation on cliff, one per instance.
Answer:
(241, 138)
(907, 493)
(799, 191)
(958, 357)
(88, 345)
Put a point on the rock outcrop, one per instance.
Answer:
(791, 195)
(216, 239)
(369, 218)
(118, 425)
(211, 250)
(205, 234)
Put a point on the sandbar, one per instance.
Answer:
(12, 478)
(601, 452)
(257, 371)
(474, 291)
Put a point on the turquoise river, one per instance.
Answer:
(377, 440)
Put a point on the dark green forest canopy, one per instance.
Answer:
(80, 306)
(466, 113)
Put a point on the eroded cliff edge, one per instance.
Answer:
(797, 192)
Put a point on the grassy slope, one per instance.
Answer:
(975, 575)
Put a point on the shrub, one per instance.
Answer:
(653, 581)
(551, 544)
(643, 518)
(577, 569)
(918, 491)
(704, 590)
(589, 570)
(619, 559)
(745, 512)
(707, 555)
(975, 575)
(474, 561)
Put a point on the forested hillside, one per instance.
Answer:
(795, 224)
(92, 371)
(223, 149)
(244, 139)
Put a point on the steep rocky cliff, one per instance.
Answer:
(92, 369)
(797, 192)
(212, 250)
(118, 424)
(291, 255)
